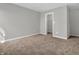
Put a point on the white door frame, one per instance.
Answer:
(52, 13)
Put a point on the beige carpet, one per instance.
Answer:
(41, 45)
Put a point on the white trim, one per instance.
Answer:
(74, 35)
(52, 13)
(60, 37)
(43, 33)
(18, 38)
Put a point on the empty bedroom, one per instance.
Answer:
(39, 28)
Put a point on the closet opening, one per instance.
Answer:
(49, 24)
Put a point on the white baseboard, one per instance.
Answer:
(66, 37)
(60, 37)
(57, 36)
(43, 33)
(35, 34)
(74, 35)
(18, 38)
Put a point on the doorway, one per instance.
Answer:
(49, 23)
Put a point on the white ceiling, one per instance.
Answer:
(41, 7)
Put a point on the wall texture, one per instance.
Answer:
(60, 17)
(60, 27)
(18, 21)
(49, 23)
(68, 22)
(74, 20)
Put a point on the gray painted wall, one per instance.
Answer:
(68, 22)
(42, 24)
(74, 20)
(49, 23)
(18, 21)
(60, 17)
(60, 28)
